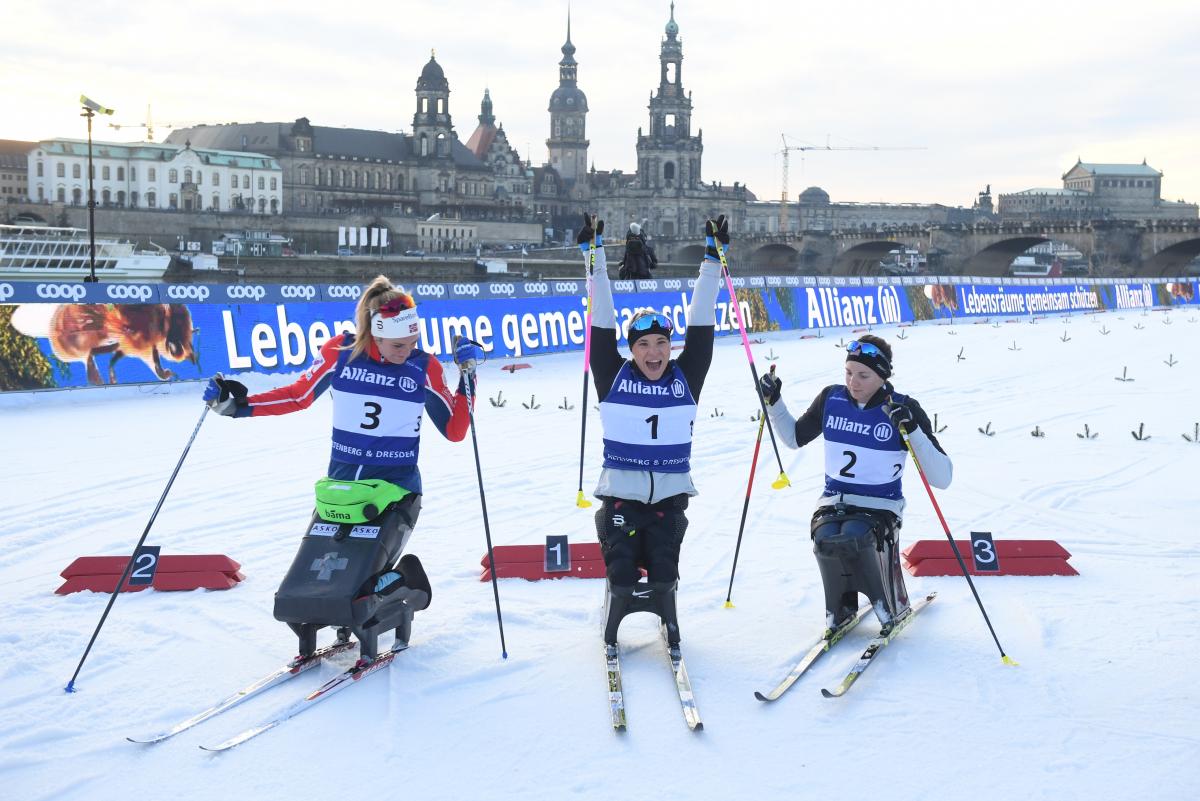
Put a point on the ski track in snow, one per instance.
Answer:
(1101, 707)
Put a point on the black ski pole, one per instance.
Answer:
(1005, 658)
(746, 506)
(487, 532)
(129, 565)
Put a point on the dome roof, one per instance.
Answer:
(432, 77)
(672, 28)
(814, 195)
(568, 98)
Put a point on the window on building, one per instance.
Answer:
(62, 195)
(378, 180)
(174, 201)
(120, 197)
(133, 199)
(302, 175)
(262, 205)
(246, 180)
(233, 181)
(262, 182)
(341, 177)
(304, 200)
(199, 178)
(424, 145)
(216, 202)
(40, 169)
(152, 175)
(41, 193)
(120, 173)
(60, 170)
(187, 176)
(441, 105)
(672, 72)
(133, 173)
(274, 205)
(105, 175)
(274, 183)
(106, 197)
(669, 171)
(216, 181)
(173, 176)
(76, 172)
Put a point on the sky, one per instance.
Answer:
(1007, 95)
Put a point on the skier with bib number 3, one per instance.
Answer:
(855, 529)
(647, 413)
(349, 572)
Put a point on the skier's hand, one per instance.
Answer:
(224, 395)
(584, 239)
(467, 355)
(716, 231)
(769, 387)
(899, 414)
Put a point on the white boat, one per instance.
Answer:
(36, 252)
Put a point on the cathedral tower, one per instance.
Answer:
(568, 119)
(669, 156)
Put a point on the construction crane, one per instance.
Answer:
(149, 125)
(783, 200)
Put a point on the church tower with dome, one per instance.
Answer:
(669, 155)
(568, 144)
(432, 129)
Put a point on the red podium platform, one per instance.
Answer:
(1016, 558)
(529, 562)
(100, 573)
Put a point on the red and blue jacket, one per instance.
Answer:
(377, 409)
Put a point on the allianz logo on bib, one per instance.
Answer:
(677, 388)
(881, 431)
(638, 388)
(184, 292)
(6, 292)
(129, 292)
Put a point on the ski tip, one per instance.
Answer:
(760, 696)
(1008, 660)
(698, 727)
(729, 605)
(828, 693)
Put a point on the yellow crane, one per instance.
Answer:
(787, 149)
(149, 125)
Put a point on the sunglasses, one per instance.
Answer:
(867, 349)
(647, 322)
(397, 304)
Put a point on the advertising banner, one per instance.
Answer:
(77, 334)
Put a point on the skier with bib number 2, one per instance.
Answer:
(855, 529)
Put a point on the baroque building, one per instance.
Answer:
(1098, 192)
(338, 171)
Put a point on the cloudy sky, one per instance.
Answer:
(1007, 94)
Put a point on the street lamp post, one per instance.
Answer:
(90, 109)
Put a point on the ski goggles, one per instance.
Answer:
(872, 355)
(648, 322)
(397, 318)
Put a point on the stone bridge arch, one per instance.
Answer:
(862, 257)
(774, 256)
(1170, 260)
(993, 259)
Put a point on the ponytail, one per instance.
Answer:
(377, 293)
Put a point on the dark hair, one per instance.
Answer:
(880, 343)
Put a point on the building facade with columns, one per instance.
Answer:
(1092, 191)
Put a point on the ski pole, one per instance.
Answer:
(580, 501)
(745, 506)
(953, 548)
(782, 481)
(487, 532)
(129, 565)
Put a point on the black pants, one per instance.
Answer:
(634, 534)
(857, 551)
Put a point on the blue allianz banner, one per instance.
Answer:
(58, 334)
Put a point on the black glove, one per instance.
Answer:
(584, 239)
(769, 386)
(224, 395)
(716, 231)
(900, 415)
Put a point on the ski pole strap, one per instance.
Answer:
(355, 501)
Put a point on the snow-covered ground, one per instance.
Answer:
(1102, 706)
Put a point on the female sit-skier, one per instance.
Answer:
(647, 411)
(855, 529)
(382, 385)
